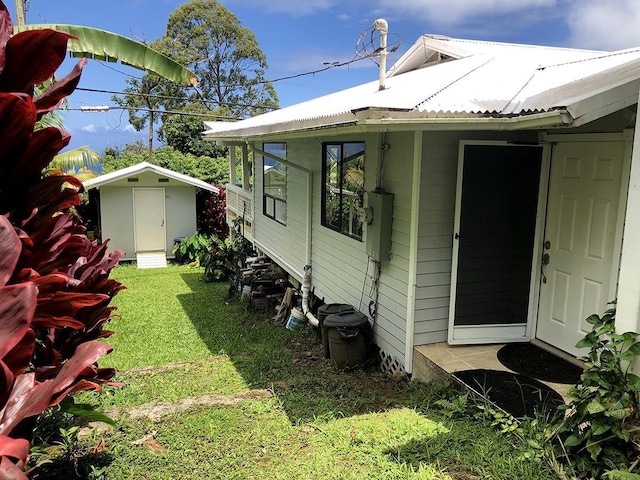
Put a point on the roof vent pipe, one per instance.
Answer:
(382, 26)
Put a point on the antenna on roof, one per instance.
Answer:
(382, 26)
(365, 46)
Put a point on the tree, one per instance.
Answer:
(207, 38)
(208, 169)
(184, 133)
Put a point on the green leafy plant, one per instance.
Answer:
(192, 249)
(226, 258)
(601, 429)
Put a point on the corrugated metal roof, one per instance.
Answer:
(441, 77)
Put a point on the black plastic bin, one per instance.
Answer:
(176, 242)
(348, 335)
(323, 312)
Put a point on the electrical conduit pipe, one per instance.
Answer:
(306, 290)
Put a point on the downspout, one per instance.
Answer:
(306, 280)
(413, 251)
(306, 283)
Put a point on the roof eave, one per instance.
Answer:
(312, 124)
(147, 167)
(397, 120)
(550, 119)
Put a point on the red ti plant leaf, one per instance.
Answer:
(17, 118)
(6, 31)
(10, 247)
(31, 57)
(17, 305)
(43, 146)
(16, 449)
(59, 309)
(30, 398)
(53, 96)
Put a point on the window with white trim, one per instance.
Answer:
(274, 186)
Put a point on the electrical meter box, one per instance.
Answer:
(379, 230)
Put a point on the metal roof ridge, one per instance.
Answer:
(511, 44)
(590, 59)
(450, 84)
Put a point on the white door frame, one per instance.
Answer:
(135, 219)
(500, 333)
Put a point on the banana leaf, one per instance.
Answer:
(107, 46)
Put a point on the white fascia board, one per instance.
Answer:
(147, 167)
(589, 108)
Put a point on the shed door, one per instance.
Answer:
(149, 219)
(578, 280)
(496, 212)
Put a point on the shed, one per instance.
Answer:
(143, 208)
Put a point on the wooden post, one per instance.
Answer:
(246, 171)
(232, 165)
(20, 16)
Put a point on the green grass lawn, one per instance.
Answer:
(311, 422)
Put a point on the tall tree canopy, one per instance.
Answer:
(208, 39)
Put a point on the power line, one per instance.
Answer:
(106, 108)
(170, 97)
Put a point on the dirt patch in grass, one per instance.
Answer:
(156, 411)
(150, 369)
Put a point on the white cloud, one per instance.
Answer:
(604, 24)
(455, 12)
(91, 128)
(130, 128)
(344, 17)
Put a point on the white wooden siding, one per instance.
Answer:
(340, 273)
(392, 300)
(116, 219)
(436, 224)
(435, 234)
(285, 244)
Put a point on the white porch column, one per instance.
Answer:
(232, 165)
(246, 173)
(416, 180)
(628, 307)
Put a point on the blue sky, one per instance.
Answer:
(302, 35)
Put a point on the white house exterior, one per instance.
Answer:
(513, 187)
(144, 207)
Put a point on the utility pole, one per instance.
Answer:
(20, 17)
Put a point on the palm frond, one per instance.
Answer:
(75, 160)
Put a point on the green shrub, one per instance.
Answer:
(601, 430)
(192, 249)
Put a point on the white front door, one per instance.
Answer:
(578, 262)
(149, 219)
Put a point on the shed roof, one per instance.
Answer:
(147, 167)
(447, 80)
